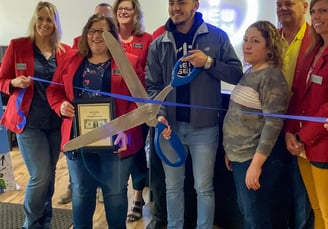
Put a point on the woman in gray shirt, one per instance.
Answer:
(249, 138)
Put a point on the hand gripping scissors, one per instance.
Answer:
(145, 113)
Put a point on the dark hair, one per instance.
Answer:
(274, 42)
(83, 47)
(138, 23)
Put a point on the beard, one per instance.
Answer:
(184, 19)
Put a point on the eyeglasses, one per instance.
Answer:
(92, 32)
(125, 9)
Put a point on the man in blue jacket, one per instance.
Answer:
(204, 46)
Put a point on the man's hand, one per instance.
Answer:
(167, 131)
(197, 58)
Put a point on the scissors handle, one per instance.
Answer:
(175, 143)
(178, 80)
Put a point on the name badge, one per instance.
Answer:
(138, 45)
(316, 79)
(21, 66)
(117, 72)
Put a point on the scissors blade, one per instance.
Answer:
(127, 72)
(156, 107)
(122, 123)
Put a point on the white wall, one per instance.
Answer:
(15, 16)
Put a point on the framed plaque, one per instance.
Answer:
(93, 113)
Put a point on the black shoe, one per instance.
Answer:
(155, 224)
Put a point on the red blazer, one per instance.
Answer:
(306, 42)
(310, 99)
(76, 42)
(19, 60)
(159, 31)
(57, 94)
(139, 47)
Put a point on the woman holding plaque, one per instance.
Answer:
(92, 67)
(28, 113)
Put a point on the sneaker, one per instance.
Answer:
(66, 198)
(100, 195)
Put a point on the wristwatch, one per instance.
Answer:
(209, 62)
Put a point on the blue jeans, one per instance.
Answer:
(99, 169)
(40, 151)
(202, 144)
(256, 206)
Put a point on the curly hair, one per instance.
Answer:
(138, 23)
(54, 16)
(83, 47)
(274, 41)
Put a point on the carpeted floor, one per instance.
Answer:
(12, 217)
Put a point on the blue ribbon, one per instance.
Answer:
(129, 98)
(143, 100)
(295, 117)
(19, 111)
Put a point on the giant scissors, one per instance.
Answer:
(145, 113)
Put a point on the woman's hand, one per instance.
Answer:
(252, 178)
(122, 141)
(294, 147)
(326, 124)
(21, 82)
(227, 163)
(67, 109)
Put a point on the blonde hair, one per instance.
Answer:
(54, 16)
(138, 23)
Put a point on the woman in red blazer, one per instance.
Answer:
(309, 98)
(93, 68)
(28, 113)
(129, 18)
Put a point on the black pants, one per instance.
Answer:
(157, 183)
(139, 168)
